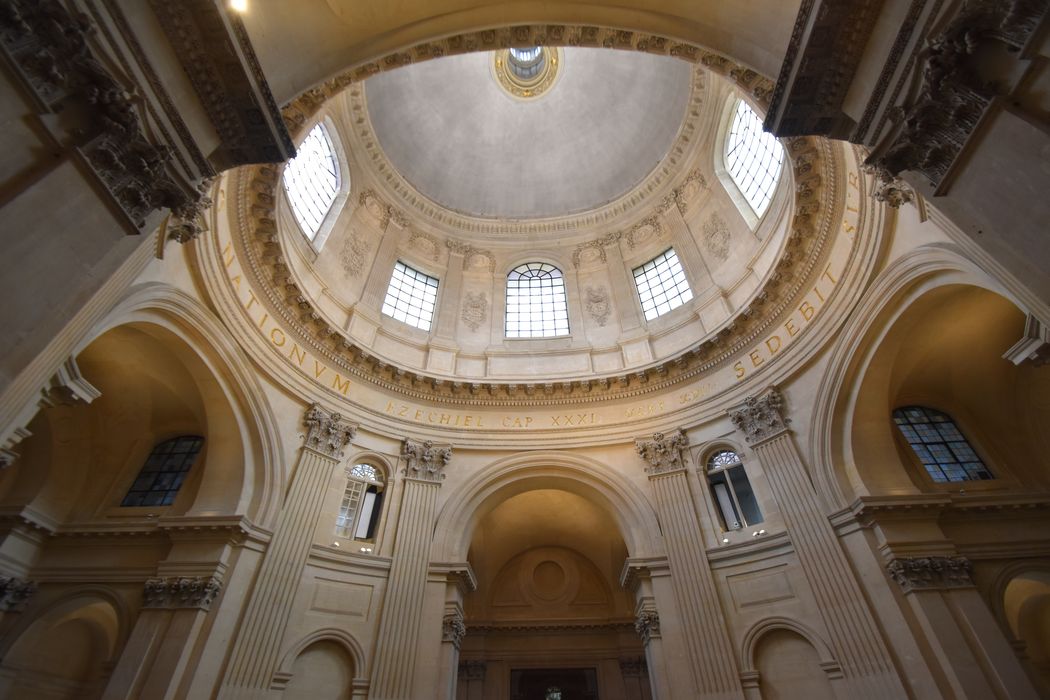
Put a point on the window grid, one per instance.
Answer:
(311, 180)
(363, 484)
(536, 304)
(164, 472)
(753, 158)
(411, 296)
(937, 441)
(662, 285)
(732, 491)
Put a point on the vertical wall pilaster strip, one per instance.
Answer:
(703, 621)
(255, 653)
(855, 637)
(395, 653)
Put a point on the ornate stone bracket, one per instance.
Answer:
(327, 433)
(51, 48)
(15, 593)
(663, 452)
(1034, 346)
(761, 418)
(647, 625)
(931, 573)
(425, 460)
(178, 592)
(453, 629)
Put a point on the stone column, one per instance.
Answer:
(710, 650)
(471, 685)
(855, 638)
(977, 659)
(256, 651)
(457, 580)
(159, 650)
(635, 680)
(637, 577)
(395, 652)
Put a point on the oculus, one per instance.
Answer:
(527, 72)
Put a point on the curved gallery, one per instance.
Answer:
(462, 498)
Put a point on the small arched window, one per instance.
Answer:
(753, 158)
(936, 440)
(362, 503)
(312, 180)
(536, 306)
(732, 491)
(164, 472)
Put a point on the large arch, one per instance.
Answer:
(545, 470)
(201, 341)
(901, 289)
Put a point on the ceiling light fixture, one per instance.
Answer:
(239, 6)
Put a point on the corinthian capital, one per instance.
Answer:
(425, 460)
(761, 417)
(663, 452)
(180, 592)
(918, 573)
(327, 432)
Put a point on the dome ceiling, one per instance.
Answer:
(457, 136)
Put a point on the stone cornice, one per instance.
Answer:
(812, 165)
(552, 626)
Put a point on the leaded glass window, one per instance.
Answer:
(753, 158)
(731, 490)
(164, 472)
(936, 440)
(361, 504)
(662, 285)
(411, 296)
(536, 306)
(311, 180)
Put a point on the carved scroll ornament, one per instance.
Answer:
(327, 433)
(425, 460)
(663, 452)
(760, 417)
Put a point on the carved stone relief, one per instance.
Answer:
(15, 593)
(472, 670)
(598, 304)
(425, 460)
(716, 237)
(180, 592)
(354, 254)
(473, 258)
(475, 309)
(453, 629)
(647, 625)
(426, 244)
(917, 573)
(644, 231)
(593, 252)
(760, 417)
(663, 452)
(327, 432)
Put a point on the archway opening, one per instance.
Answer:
(1026, 603)
(548, 610)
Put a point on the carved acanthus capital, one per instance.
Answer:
(931, 573)
(453, 629)
(326, 432)
(633, 667)
(15, 593)
(180, 592)
(761, 417)
(663, 452)
(647, 625)
(472, 670)
(425, 460)
(889, 189)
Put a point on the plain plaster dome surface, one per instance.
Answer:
(459, 138)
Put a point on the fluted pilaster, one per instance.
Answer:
(855, 638)
(255, 653)
(702, 619)
(395, 656)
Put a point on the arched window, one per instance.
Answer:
(731, 490)
(164, 472)
(936, 440)
(753, 158)
(312, 180)
(411, 296)
(536, 305)
(662, 285)
(362, 503)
